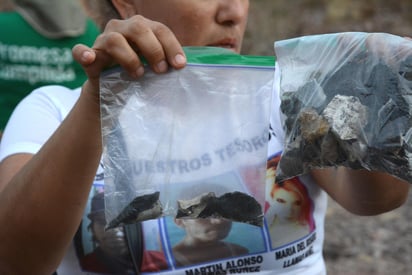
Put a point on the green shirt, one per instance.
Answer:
(29, 60)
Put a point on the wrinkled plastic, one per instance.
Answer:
(186, 137)
(346, 101)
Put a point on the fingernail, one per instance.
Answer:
(180, 59)
(161, 66)
(139, 71)
(86, 56)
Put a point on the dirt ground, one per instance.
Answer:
(378, 245)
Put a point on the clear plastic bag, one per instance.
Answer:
(346, 101)
(178, 143)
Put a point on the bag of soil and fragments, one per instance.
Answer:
(185, 143)
(346, 100)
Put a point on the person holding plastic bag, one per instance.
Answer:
(47, 174)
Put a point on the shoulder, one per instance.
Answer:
(57, 95)
(54, 99)
(38, 114)
(57, 91)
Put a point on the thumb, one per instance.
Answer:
(83, 55)
(93, 61)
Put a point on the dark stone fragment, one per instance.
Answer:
(140, 208)
(235, 206)
(379, 145)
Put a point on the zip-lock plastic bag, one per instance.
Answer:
(180, 143)
(346, 101)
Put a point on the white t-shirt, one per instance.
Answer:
(289, 243)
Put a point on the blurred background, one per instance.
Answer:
(354, 245)
(272, 20)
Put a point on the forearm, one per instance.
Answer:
(41, 206)
(363, 192)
